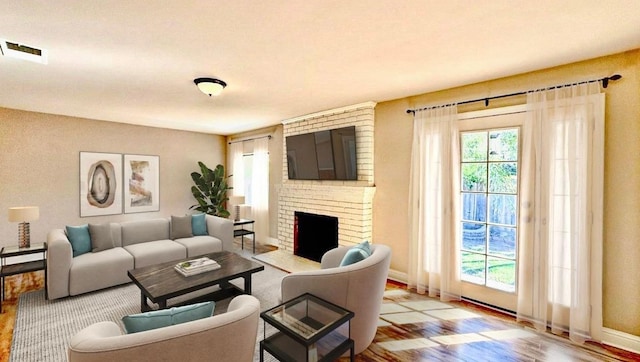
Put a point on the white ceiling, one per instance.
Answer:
(135, 61)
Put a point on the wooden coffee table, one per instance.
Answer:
(161, 282)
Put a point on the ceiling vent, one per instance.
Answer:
(16, 50)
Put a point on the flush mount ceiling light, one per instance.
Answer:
(210, 86)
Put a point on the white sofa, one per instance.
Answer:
(136, 244)
(227, 337)
(358, 287)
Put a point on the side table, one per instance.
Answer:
(243, 231)
(23, 267)
(307, 330)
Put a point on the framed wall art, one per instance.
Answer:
(100, 184)
(142, 177)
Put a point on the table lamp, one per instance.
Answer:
(23, 215)
(236, 201)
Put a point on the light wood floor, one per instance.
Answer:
(419, 328)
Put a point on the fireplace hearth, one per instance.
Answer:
(314, 235)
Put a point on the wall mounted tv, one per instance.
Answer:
(323, 155)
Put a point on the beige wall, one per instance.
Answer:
(393, 132)
(39, 165)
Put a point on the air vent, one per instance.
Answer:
(12, 49)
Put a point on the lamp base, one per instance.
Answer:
(236, 209)
(24, 237)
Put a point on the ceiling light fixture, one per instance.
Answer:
(210, 86)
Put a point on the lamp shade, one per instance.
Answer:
(236, 200)
(24, 214)
(210, 86)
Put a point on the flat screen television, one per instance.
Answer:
(323, 155)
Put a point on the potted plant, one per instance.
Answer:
(210, 190)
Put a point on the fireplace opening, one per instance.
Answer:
(313, 235)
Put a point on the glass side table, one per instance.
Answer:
(307, 330)
(23, 267)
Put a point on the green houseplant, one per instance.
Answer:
(210, 190)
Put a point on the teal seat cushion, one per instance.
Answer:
(167, 317)
(356, 253)
(79, 238)
(199, 224)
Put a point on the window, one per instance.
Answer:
(489, 203)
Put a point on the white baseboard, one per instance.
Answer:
(621, 340)
(397, 276)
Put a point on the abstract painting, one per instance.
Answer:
(142, 177)
(100, 184)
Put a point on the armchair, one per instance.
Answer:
(227, 337)
(357, 287)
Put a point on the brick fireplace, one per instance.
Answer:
(351, 202)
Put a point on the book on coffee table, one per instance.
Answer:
(196, 266)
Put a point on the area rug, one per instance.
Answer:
(44, 328)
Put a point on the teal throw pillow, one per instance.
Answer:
(356, 253)
(167, 317)
(199, 224)
(79, 238)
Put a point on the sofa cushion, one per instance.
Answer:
(155, 252)
(356, 253)
(181, 227)
(93, 271)
(200, 245)
(101, 238)
(116, 234)
(79, 238)
(140, 231)
(199, 225)
(167, 317)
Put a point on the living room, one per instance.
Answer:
(39, 154)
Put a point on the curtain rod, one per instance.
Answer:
(605, 84)
(250, 139)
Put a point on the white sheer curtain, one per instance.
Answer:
(561, 211)
(433, 195)
(260, 188)
(237, 168)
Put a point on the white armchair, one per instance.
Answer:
(228, 337)
(357, 287)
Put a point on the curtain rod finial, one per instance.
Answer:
(605, 80)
